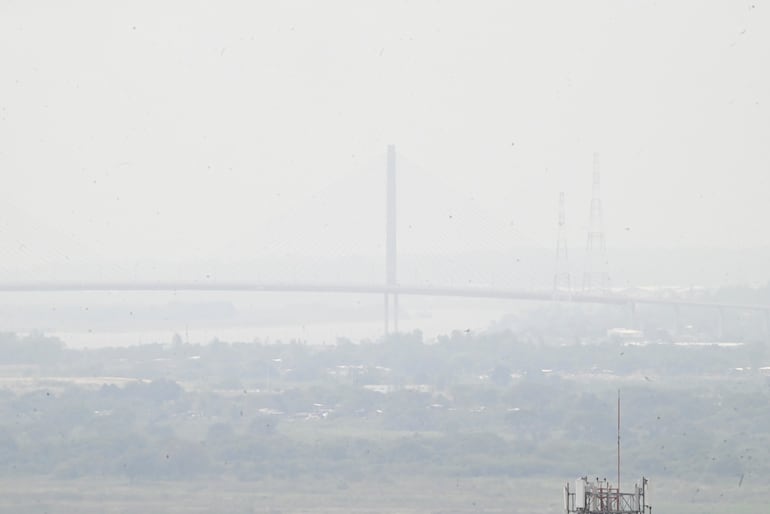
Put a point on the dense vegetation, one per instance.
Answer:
(466, 406)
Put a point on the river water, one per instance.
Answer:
(94, 320)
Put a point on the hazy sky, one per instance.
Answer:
(207, 130)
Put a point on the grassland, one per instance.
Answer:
(404, 495)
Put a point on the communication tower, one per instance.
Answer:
(599, 496)
(602, 497)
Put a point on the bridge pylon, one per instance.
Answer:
(391, 255)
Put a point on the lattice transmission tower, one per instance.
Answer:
(596, 276)
(562, 283)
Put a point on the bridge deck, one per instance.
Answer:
(309, 287)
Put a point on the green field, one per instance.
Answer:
(407, 495)
(467, 425)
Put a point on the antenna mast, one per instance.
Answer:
(618, 440)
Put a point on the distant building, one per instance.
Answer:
(625, 334)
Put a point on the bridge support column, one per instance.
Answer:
(395, 312)
(766, 325)
(388, 315)
(720, 323)
(677, 320)
(632, 315)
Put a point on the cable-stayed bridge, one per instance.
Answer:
(608, 298)
(595, 288)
